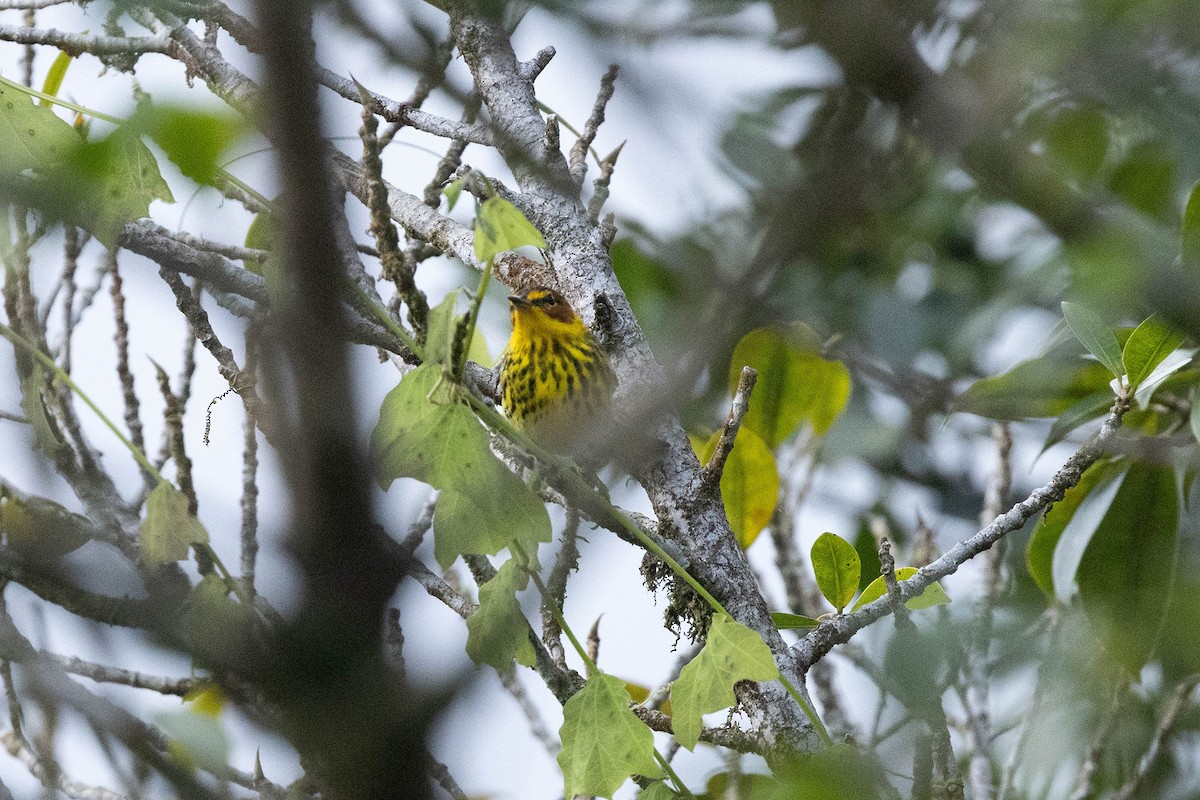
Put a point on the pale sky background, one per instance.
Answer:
(670, 107)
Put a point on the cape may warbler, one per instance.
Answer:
(555, 378)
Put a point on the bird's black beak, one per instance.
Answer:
(518, 301)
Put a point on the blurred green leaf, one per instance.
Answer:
(500, 226)
(1084, 411)
(836, 566)
(1094, 334)
(603, 742)
(195, 141)
(40, 529)
(45, 436)
(1146, 180)
(1038, 387)
(794, 383)
(934, 594)
(840, 772)
(784, 621)
(1078, 139)
(749, 483)
(498, 631)
(1150, 343)
(732, 653)
(1126, 572)
(169, 530)
(1039, 553)
(1189, 230)
(109, 183)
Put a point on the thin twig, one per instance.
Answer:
(579, 151)
(249, 533)
(537, 726)
(978, 679)
(133, 419)
(1084, 786)
(1166, 724)
(137, 680)
(239, 381)
(77, 43)
(711, 474)
(556, 584)
(840, 629)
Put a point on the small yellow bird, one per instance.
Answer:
(556, 382)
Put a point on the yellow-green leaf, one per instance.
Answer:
(32, 137)
(603, 742)
(55, 76)
(498, 631)
(934, 594)
(837, 568)
(40, 529)
(794, 383)
(500, 226)
(749, 483)
(483, 506)
(732, 653)
(168, 531)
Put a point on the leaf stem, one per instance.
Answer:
(808, 710)
(680, 786)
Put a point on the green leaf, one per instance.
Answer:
(603, 742)
(1078, 139)
(214, 624)
(168, 531)
(495, 509)
(111, 182)
(1037, 387)
(498, 631)
(1189, 230)
(1145, 179)
(1081, 413)
(1039, 553)
(193, 140)
(657, 791)
(500, 226)
(835, 563)
(784, 621)
(40, 529)
(1126, 573)
(794, 383)
(1095, 335)
(483, 506)
(55, 76)
(452, 191)
(1148, 345)
(32, 137)
(732, 653)
(749, 483)
(934, 594)
(442, 328)
(45, 435)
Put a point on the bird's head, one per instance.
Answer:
(542, 309)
